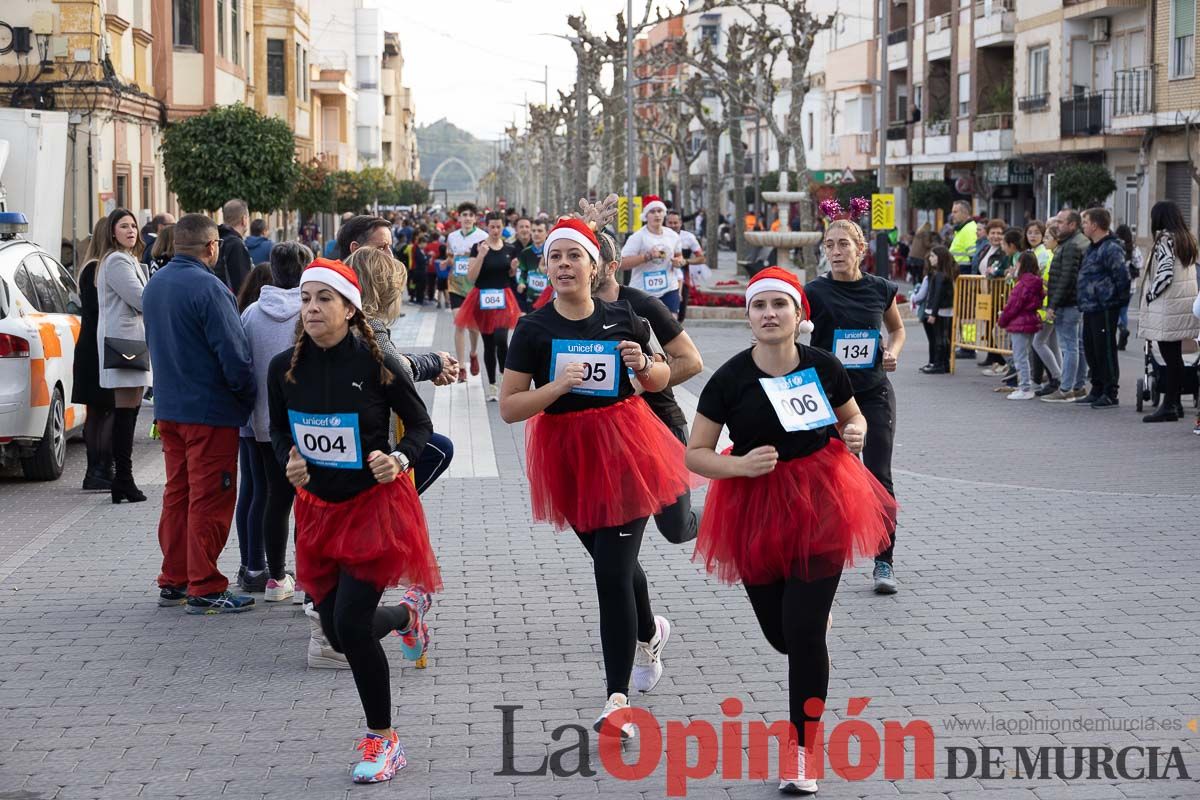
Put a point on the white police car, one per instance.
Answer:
(39, 325)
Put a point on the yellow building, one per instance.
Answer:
(399, 115)
(281, 74)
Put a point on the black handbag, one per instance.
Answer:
(126, 354)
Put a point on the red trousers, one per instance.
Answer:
(197, 505)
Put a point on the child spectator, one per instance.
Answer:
(1020, 319)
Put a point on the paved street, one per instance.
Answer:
(1045, 577)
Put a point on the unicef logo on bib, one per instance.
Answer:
(327, 440)
(856, 349)
(599, 361)
(799, 401)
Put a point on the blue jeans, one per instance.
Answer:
(1068, 324)
(1022, 344)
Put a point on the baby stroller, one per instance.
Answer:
(1148, 385)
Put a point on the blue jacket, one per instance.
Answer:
(1103, 280)
(260, 248)
(203, 374)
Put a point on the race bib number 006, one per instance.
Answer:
(599, 361)
(538, 281)
(492, 299)
(856, 349)
(461, 265)
(799, 401)
(327, 440)
(655, 281)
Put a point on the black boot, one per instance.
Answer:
(1122, 338)
(124, 427)
(1164, 413)
(97, 436)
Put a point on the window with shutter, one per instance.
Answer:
(1179, 186)
(1183, 38)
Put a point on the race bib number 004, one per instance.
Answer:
(655, 281)
(856, 349)
(492, 299)
(327, 440)
(538, 282)
(461, 265)
(599, 361)
(799, 401)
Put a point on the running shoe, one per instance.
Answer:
(616, 702)
(796, 783)
(415, 641)
(219, 603)
(1021, 394)
(647, 658)
(172, 596)
(382, 758)
(1196, 429)
(278, 591)
(321, 654)
(885, 579)
(255, 584)
(493, 393)
(1105, 402)
(474, 364)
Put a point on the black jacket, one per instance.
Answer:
(233, 261)
(939, 295)
(1064, 270)
(343, 381)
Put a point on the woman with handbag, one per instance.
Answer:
(86, 388)
(124, 357)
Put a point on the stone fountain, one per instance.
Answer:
(784, 241)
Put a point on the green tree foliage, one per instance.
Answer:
(313, 192)
(226, 152)
(930, 195)
(1083, 184)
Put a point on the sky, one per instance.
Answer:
(475, 61)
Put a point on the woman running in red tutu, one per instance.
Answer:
(790, 505)
(597, 458)
(359, 526)
(491, 307)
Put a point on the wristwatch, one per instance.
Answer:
(401, 459)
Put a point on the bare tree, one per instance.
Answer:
(699, 95)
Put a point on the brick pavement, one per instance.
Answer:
(1041, 579)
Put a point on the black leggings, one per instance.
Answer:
(931, 334)
(354, 623)
(943, 326)
(1172, 382)
(276, 509)
(793, 614)
(878, 406)
(624, 595)
(97, 436)
(678, 523)
(495, 349)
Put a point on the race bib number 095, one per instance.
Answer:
(856, 349)
(461, 265)
(492, 299)
(599, 361)
(327, 440)
(655, 281)
(799, 401)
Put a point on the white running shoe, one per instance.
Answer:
(616, 701)
(493, 393)
(299, 598)
(1021, 394)
(321, 654)
(278, 591)
(647, 658)
(797, 784)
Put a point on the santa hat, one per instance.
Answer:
(775, 279)
(651, 202)
(574, 230)
(337, 276)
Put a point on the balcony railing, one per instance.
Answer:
(939, 23)
(940, 127)
(898, 36)
(994, 122)
(897, 131)
(985, 8)
(1133, 91)
(1084, 115)
(1034, 102)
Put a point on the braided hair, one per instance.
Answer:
(358, 325)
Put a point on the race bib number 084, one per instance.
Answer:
(327, 440)
(492, 299)
(599, 361)
(856, 349)
(799, 401)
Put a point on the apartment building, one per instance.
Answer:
(281, 72)
(399, 137)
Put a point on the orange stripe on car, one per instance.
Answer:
(39, 392)
(70, 416)
(73, 321)
(51, 345)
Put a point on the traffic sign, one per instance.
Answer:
(623, 215)
(848, 176)
(883, 212)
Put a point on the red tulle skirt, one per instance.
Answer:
(378, 536)
(471, 316)
(808, 518)
(602, 467)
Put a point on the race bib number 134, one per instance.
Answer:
(599, 361)
(799, 401)
(327, 440)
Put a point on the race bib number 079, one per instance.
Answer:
(799, 401)
(600, 363)
(655, 281)
(327, 440)
(856, 349)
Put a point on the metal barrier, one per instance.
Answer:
(977, 304)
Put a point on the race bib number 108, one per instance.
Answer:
(327, 440)
(799, 401)
(599, 361)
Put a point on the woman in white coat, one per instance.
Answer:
(124, 357)
(1167, 291)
